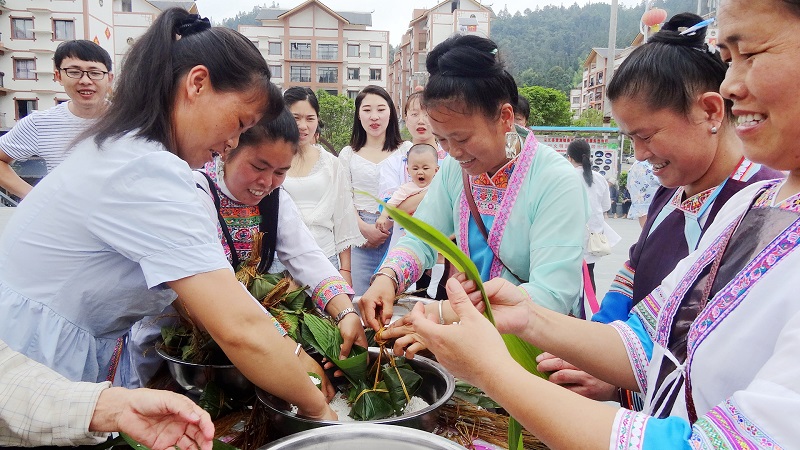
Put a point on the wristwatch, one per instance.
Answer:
(343, 313)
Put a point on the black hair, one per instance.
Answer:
(466, 69)
(299, 94)
(82, 49)
(358, 137)
(523, 107)
(671, 70)
(794, 6)
(281, 128)
(423, 148)
(414, 96)
(580, 151)
(147, 83)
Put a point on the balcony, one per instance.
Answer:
(3, 89)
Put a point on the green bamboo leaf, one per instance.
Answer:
(132, 442)
(326, 339)
(260, 287)
(392, 377)
(372, 405)
(295, 300)
(522, 352)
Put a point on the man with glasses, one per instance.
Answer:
(84, 69)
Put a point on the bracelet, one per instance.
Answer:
(345, 270)
(441, 317)
(391, 277)
(297, 349)
(343, 313)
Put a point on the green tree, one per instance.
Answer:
(336, 112)
(589, 118)
(548, 106)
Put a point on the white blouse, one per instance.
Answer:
(379, 180)
(325, 201)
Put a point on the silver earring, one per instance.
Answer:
(714, 130)
(513, 141)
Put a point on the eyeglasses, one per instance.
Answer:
(78, 74)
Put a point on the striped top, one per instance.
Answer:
(48, 134)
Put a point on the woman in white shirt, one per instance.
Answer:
(374, 162)
(320, 186)
(578, 153)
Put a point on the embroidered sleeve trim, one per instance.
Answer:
(328, 288)
(725, 426)
(628, 430)
(405, 264)
(636, 353)
(623, 281)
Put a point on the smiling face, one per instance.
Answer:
(88, 96)
(307, 121)
(422, 166)
(253, 171)
(374, 114)
(760, 41)
(418, 123)
(477, 142)
(680, 148)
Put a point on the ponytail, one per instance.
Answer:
(579, 150)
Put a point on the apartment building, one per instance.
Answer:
(428, 28)
(30, 31)
(314, 46)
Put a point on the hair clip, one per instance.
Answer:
(192, 24)
(494, 52)
(700, 25)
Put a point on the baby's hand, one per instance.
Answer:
(380, 224)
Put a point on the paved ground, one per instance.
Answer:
(607, 267)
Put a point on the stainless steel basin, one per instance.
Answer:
(194, 377)
(362, 436)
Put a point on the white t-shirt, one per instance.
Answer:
(48, 134)
(379, 180)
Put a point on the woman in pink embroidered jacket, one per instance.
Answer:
(713, 348)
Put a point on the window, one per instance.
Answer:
(276, 70)
(353, 73)
(421, 46)
(64, 30)
(352, 94)
(332, 91)
(275, 48)
(375, 74)
(327, 51)
(300, 50)
(328, 74)
(353, 50)
(127, 6)
(22, 28)
(300, 74)
(24, 69)
(24, 107)
(375, 51)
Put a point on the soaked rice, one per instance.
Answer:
(342, 409)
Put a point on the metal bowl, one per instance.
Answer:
(194, 377)
(364, 437)
(437, 388)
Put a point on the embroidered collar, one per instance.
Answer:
(500, 179)
(692, 204)
(767, 198)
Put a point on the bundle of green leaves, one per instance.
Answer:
(384, 394)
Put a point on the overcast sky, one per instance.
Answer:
(391, 15)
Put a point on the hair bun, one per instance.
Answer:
(671, 31)
(466, 56)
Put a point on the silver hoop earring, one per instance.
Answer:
(513, 141)
(714, 130)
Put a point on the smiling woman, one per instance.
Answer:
(132, 231)
(525, 194)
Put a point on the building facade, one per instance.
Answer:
(313, 46)
(30, 31)
(428, 28)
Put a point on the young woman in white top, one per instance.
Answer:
(578, 154)
(374, 161)
(320, 186)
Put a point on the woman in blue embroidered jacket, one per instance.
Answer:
(714, 348)
(681, 124)
(531, 201)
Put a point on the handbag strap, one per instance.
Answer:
(589, 290)
(473, 208)
(226, 232)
